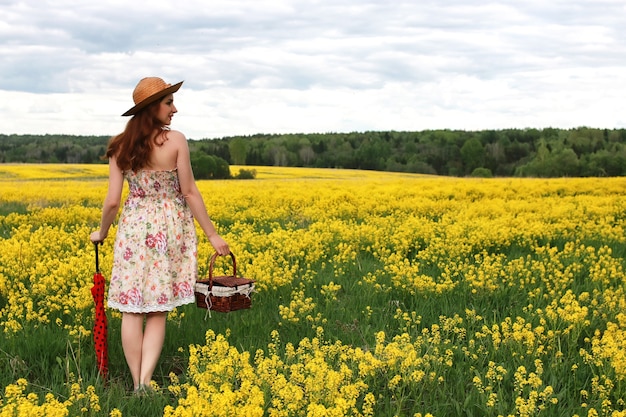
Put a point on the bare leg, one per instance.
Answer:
(153, 338)
(132, 341)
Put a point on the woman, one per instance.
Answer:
(155, 251)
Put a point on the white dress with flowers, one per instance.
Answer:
(155, 258)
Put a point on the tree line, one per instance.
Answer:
(549, 152)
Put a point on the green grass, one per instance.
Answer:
(51, 362)
(12, 207)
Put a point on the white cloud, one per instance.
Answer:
(313, 66)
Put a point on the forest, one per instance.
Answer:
(548, 152)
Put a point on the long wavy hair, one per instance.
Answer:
(133, 146)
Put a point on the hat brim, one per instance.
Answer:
(137, 107)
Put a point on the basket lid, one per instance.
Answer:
(231, 281)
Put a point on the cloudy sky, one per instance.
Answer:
(289, 66)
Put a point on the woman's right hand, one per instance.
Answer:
(219, 244)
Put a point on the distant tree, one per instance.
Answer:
(489, 137)
(585, 141)
(494, 155)
(277, 154)
(539, 152)
(420, 167)
(209, 167)
(561, 162)
(306, 154)
(482, 173)
(87, 157)
(372, 154)
(203, 165)
(606, 163)
(222, 169)
(473, 154)
(246, 174)
(61, 154)
(567, 162)
(238, 151)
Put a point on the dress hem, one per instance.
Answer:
(125, 308)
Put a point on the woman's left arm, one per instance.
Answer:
(111, 202)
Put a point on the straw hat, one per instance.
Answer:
(148, 90)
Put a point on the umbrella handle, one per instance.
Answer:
(95, 244)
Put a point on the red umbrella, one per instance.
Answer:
(100, 323)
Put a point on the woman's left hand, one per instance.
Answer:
(96, 237)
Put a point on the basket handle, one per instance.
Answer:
(213, 258)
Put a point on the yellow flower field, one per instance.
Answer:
(379, 294)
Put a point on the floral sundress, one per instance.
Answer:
(155, 256)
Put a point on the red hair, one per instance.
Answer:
(133, 146)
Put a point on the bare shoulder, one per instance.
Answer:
(177, 139)
(176, 135)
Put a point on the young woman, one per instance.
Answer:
(155, 251)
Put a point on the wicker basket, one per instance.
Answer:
(225, 293)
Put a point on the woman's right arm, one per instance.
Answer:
(111, 202)
(192, 195)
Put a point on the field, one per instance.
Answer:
(379, 294)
